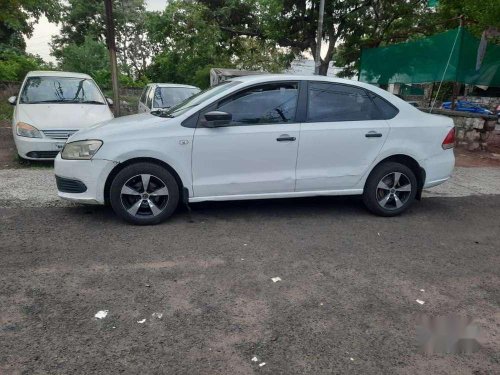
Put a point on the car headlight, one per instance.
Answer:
(27, 130)
(81, 150)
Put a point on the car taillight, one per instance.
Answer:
(449, 141)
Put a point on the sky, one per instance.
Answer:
(38, 44)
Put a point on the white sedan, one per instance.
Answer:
(257, 137)
(52, 106)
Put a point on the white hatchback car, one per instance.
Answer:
(52, 106)
(159, 96)
(268, 136)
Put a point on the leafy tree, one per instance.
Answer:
(17, 18)
(90, 57)
(187, 41)
(379, 23)
(292, 24)
(385, 22)
(14, 65)
(478, 15)
(81, 19)
(192, 37)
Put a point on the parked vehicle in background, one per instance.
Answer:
(466, 106)
(497, 112)
(258, 137)
(51, 107)
(160, 96)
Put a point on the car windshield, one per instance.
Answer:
(167, 97)
(60, 90)
(198, 98)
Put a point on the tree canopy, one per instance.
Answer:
(182, 42)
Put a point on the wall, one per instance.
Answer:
(472, 130)
(485, 101)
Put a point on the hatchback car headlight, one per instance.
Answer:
(81, 150)
(27, 130)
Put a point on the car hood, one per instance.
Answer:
(120, 127)
(68, 116)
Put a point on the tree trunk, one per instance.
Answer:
(323, 68)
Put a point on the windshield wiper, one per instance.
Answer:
(161, 113)
(89, 102)
(43, 101)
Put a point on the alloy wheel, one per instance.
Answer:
(144, 195)
(393, 191)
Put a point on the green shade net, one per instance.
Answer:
(425, 61)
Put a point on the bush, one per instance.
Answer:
(14, 65)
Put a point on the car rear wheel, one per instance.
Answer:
(390, 189)
(144, 194)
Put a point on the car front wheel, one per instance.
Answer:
(144, 194)
(390, 189)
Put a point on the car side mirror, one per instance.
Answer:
(12, 100)
(215, 119)
(110, 101)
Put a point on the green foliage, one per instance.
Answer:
(83, 19)
(478, 14)
(17, 18)
(386, 22)
(14, 65)
(189, 41)
(5, 110)
(88, 57)
(193, 37)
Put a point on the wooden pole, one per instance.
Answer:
(110, 40)
(456, 85)
(317, 57)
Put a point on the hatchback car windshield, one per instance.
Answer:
(60, 90)
(166, 97)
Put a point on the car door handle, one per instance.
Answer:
(285, 138)
(373, 134)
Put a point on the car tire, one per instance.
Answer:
(390, 189)
(144, 206)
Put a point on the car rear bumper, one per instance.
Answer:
(82, 181)
(439, 168)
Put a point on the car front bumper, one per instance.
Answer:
(90, 173)
(38, 148)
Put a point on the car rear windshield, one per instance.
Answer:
(60, 90)
(167, 97)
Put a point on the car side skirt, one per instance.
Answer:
(294, 194)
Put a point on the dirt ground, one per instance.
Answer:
(346, 302)
(198, 297)
(489, 158)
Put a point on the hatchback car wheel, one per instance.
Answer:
(144, 193)
(390, 189)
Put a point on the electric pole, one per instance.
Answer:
(110, 41)
(317, 58)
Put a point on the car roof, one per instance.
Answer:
(262, 78)
(173, 85)
(55, 73)
(285, 77)
(291, 77)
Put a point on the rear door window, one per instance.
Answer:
(330, 102)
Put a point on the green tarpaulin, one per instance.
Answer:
(426, 60)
